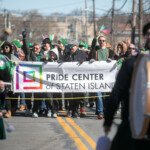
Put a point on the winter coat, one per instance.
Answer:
(120, 92)
(123, 55)
(29, 54)
(64, 55)
(78, 56)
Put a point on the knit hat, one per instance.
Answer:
(16, 43)
(73, 43)
(63, 41)
(30, 45)
(46, 40)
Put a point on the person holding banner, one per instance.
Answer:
(81, 56)
(52, 105)
(123, 139)
(100, 54)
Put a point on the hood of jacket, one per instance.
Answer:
(124, 48)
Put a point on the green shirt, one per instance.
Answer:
(102, 54)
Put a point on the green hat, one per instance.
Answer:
(30, 45)
(63, 41)
(16, 43)
(83, 44)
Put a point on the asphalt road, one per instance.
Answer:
(64, 133)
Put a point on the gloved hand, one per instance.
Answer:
(92, 60)
(108, 60)
(24, 34)
(59, 61)
(81, 61)
(45, 61)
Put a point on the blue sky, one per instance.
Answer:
(47, 7)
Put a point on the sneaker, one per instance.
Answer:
(100, 116)
(27, 112)
(49, 114)
(75, 115)
(35, 115)
(68, 114)
(21, 108)
(82, 110)
(55, 115)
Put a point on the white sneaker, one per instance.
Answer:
(35, 115)
(55, 115)
(49, 114)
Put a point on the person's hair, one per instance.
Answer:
(37, 44)
(145, 28)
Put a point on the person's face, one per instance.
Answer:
(46, 46)
(131, 49)
(119, 49)
(74, 49)
(60, 45)
(102, 42)
(37, 49)
(7, 49)
(53, 55)
(81, 47)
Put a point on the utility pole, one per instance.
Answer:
(8, 21)
(140, 22)
(86, 23)
(5, 19)
(82, 26)
(133, 22)
(94, 18)
(112, 23)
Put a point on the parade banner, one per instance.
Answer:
(98, 76)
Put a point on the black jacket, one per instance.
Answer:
(79, 55)
(64, 55)
(120, 92)
(29, 54)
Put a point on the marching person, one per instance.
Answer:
(64, 54)
(11, 105)
(81, 56)
(99, 54)
(52, 105)
(121, 91)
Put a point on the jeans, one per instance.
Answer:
(22, 101)
(99, 104)
(43, 105)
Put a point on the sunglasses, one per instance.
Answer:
(131, 48)
(36, 48)
(102, 40)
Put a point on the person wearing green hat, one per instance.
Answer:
(63, 51)
(63, 57)
(80, 56)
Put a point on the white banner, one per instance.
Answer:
(98, 76)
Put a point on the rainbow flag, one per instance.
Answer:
(104, 30)
(52, 36)
(45, 36)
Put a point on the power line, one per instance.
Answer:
(121, 6)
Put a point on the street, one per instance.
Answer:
(55, 133)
